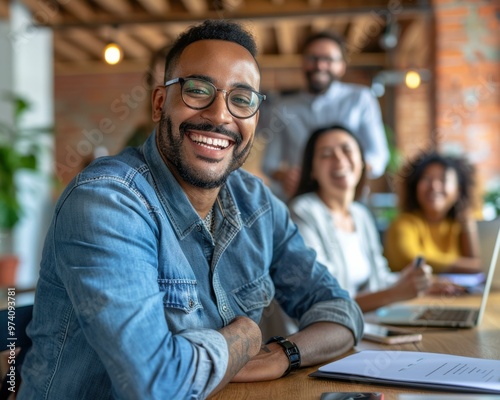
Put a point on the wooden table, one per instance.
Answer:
(482, 342)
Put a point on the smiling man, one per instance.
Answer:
(328, 101)
(160, 260)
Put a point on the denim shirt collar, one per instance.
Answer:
(179, 209)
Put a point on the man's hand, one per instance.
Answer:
(272, 362)
(244, 340)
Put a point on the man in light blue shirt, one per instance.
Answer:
(288, 124)
(159, 261)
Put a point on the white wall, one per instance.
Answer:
(32, 78)
(5, 70)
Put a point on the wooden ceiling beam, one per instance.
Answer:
(69, 51)
(363, 29)
(331, 23)
(321, 24)
(120, 7)
(120, 12)
(86, 40)
(232, 5)
(174, 30)
(195, 7)
(286, 37)
(44, 13)
(259, 34)
(315, 3)
(278, 26)
(413, 51)
(291, 61)
(152, 35)
(339, 25)
(131, 47)
(156, 7)
(79, 9)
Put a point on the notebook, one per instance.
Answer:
(440, 315)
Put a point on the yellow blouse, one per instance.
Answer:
(410, 235)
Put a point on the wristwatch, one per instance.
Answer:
(291, 350)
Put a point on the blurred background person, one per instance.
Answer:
(326, 102)
(342, 230)
(436, 219)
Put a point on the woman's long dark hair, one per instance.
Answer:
(306, 183)
(412, 172)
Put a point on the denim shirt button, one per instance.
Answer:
(191, 303)
(224, 308)
(198, 228)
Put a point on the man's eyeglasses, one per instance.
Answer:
(199, 94)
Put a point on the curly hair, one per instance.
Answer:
(412, 172)
(209, 30)
(306, 182)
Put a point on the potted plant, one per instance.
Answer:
(492, 202)
(18, 151)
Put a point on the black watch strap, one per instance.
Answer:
(291, 350)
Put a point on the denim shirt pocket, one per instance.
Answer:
(180, 294)
(253, 297)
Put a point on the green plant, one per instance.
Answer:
(492, 199)
(18, 151)
(395, 157)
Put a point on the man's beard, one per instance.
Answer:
(319, 87)
(171, 148)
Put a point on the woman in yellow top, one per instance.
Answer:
(436, 219)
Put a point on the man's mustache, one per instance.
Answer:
(185, 126)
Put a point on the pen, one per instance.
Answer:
(419, 261)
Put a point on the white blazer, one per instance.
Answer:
(315, 223)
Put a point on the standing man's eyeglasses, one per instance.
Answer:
(312, 59)
(199, 94)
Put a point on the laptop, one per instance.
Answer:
(487, 233)
(438, 314)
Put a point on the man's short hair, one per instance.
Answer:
(328, 35)
(209, 30)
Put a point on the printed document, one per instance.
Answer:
(417, 369)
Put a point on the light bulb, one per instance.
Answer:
(412, 79)
(112, 54)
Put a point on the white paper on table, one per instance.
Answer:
(417, 369)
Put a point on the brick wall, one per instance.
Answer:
(468, 83)
(413, 123)
(95, 111)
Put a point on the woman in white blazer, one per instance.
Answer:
(342, 230)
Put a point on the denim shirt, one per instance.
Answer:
(133, 287)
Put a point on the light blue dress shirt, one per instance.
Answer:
(133, 288)
(286, 126)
